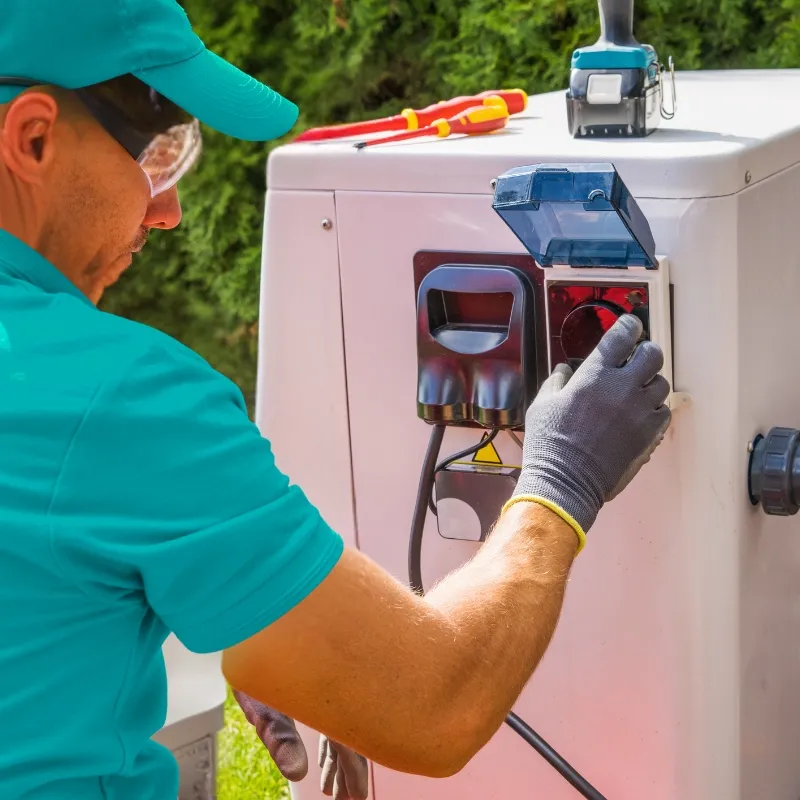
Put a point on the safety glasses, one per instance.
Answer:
(162, 138)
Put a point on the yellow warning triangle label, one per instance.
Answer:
(487, 454)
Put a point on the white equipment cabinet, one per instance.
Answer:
(195, 715)
(674, 673)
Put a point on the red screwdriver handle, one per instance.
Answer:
(475, 120)
(516, 100)
(395, 123)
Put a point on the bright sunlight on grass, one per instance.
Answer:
(246, 771)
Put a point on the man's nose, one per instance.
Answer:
(164, 211)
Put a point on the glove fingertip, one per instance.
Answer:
(632, 324)
(561, 374)
(361, 791)
(291, 760)
(327, 778)
(563, 369)
(647, 362)
(619, 341)
(322, 752)
(557, 379)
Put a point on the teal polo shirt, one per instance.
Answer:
(136, 499)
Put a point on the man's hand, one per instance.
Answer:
(345, 774)
(587, 435)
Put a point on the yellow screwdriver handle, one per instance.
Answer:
(480, 119)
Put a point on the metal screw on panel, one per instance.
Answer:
(326, 224)
(750, 447)
(635, 298)
(747, 177)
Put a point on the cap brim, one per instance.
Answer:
(223, 97)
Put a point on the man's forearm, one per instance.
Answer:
(503, 606)
(416, 684)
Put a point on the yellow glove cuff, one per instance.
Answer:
(529, 498)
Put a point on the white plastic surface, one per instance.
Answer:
(302, 388)
(196, 693)
(195, 683)
(769, 552)
(675, 672)
(728, 124)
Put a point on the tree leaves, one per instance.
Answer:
(342, 60)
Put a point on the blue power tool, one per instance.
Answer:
(616, 87)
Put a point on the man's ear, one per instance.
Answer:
(27, 136)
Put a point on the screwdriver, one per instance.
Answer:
(409, 120)
(479, 119)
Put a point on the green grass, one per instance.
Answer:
(246, 771)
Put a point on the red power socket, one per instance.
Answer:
(580, 314)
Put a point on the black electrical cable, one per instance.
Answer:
(424, 496)
(566, 770)
(420, 508)
(467, 451)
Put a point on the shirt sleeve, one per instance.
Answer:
(169, 495)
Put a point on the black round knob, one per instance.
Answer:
(585, 325)
(774, 474)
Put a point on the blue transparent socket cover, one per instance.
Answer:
(577, 215)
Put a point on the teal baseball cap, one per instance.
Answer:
(77, 43)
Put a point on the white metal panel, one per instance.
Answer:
(302, 386)
(637, 667)
(769, 292)
(710, 491)
(733, 128)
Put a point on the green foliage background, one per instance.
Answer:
(343, 60)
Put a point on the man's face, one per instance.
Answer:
(108, 207)
(84, 201)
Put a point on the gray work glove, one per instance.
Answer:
(345, 774)
(588, 434)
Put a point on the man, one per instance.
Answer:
(138, 499)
